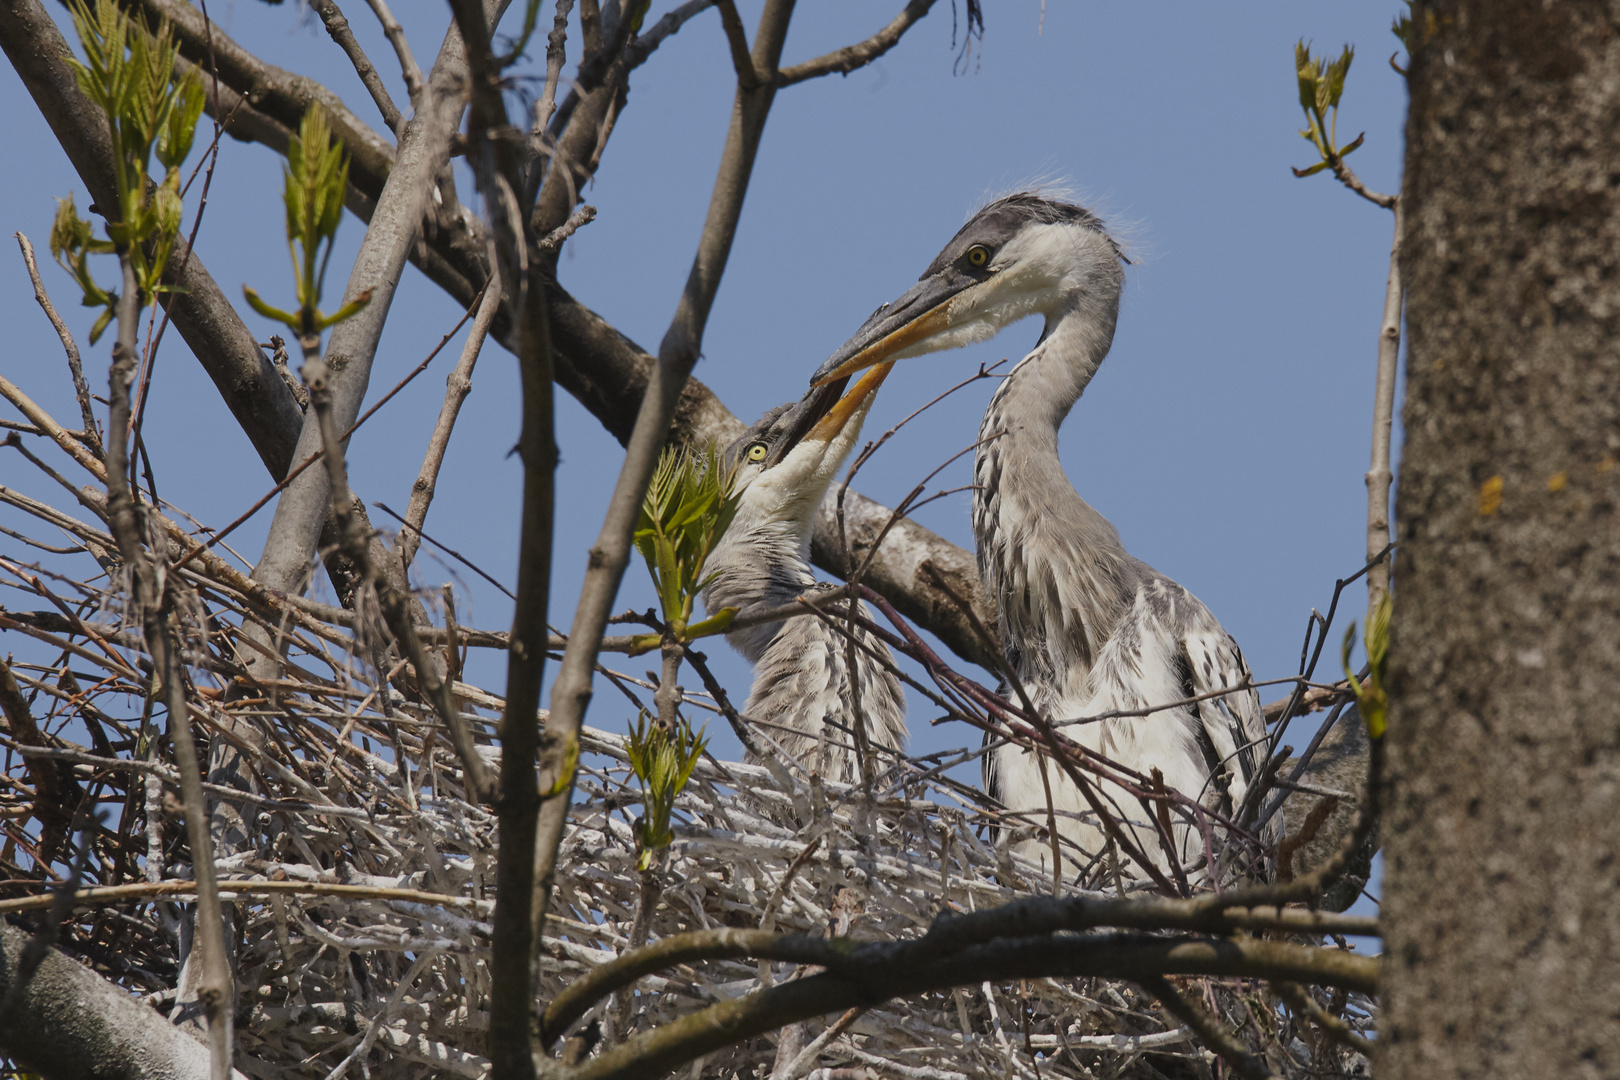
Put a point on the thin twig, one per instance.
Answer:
(154, 599)
(1216, 1037)
(57, 434)
(555, 239)
(850, 57)
(402, 49)
(556, 56)
(81, 389)
(457, 386)
(1379, 476)
(1299, 999)
(338, 27)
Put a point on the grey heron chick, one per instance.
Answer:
(802, 695)
(1087, 628)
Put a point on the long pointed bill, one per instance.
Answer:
(815, 404)
(852, 403)
(925, 310)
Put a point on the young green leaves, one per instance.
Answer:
(663, 761)
(1371, 698)
(129, 73)
(73, 241)
(688, 507)
(1321, 84)
(315, 179)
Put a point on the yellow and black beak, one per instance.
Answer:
(823, 413)
(925, 310)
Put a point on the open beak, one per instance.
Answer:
(826, 410)
(925, 310)
(829, 426)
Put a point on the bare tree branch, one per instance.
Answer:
(52, 807)
(152, 594)
(556, 56)
(1299, 1000)
(850, 57)
(737, 39)
(457, 386)
(338, 27)
(499, 160)
(877, 978)
(395, 607)
(54, 431)
(70, 1024)
(424, 150)
(402, 49)
(1216, 1037)
(1028, 918)
(599, 366)
(1379, 476)
(81, 389)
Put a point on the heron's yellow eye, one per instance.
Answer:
(978, 255)
(756, 452)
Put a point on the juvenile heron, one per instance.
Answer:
(1087, 628)
(801, 693)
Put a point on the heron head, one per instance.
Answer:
(1021, 255)
(788, 458)
(783, 464)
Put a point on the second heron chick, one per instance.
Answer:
(804, 696)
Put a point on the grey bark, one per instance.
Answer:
(1503, 808)
(70, 1024)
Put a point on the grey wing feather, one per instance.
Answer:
(801, 683)
(1233, 722)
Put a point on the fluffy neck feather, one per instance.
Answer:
(759, 564)
(1057, 567)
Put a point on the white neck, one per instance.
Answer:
(1055, 564)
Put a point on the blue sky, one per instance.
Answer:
(1226, 436)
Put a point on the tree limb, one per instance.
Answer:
(1028, 918)
(68, 1023)
(1379, 476)
(338, 27)
(499, 159)
(877, 977)
(850, 57)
